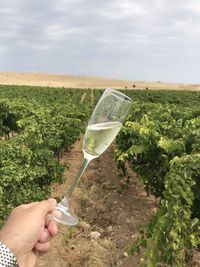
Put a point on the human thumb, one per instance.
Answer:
(46, 206)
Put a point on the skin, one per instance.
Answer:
(28, 232)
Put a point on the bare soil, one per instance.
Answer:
(110, 215)
(70, 81)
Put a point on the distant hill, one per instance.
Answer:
(70, 81)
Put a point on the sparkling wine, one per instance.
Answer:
(113, 106)
(99, 136)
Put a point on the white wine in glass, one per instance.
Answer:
(103, 126)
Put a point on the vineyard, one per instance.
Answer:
(160, 142)
(35, 125)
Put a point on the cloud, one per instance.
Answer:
(124, 10)
(127, 39)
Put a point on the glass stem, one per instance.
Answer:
(77, 178)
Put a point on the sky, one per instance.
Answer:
(143, 40)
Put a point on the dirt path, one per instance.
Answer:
(109, 217)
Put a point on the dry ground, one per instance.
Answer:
(104, 207)
(53, 80)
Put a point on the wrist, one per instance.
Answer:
(23, 258)
(7, 258)
(10, 243)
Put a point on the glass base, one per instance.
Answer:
(63, 215)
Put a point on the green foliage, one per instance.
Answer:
(174, 230)
(162, 144)
(35, 124)
(160, 141)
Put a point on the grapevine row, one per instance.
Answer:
(161, 142)
(32, 132)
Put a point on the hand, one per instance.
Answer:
(27, 232)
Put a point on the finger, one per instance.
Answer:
(41, 253)
(27, 206)
(38, 253)
(54, 215)
(45, 206)
(53, 228)
(45, 236)
(42, 247)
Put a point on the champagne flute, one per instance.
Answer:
(103, 126)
